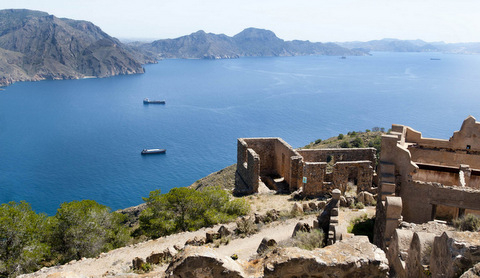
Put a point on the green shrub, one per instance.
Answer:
(318, 141)
(353, 133)
(340, 136)
(309, 240)
(345, 144)
(187, 209)
(359, 205)
(357, 142)
(362, 226)
(85, 229)
(246, 226)
(468, 222)
(23, 235)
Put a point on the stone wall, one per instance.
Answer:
(248, 170)
(312, 155)
(360, 172)
(315, 172)
(277, 163)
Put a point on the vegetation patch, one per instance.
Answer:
(187, 209)
(354, 139)
(362, 226)
(29, 241)
(309, 240)
(468, 222)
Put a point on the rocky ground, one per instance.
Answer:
(119, 262)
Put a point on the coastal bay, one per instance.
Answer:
(81, 139)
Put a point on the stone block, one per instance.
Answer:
(334, 212)
(336, 193)
(393, 206)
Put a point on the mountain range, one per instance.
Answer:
(396, 45)
(36, 46)
(249, 42)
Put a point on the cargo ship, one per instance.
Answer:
(151, 151)
(147, 101)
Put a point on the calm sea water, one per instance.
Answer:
(81, 139)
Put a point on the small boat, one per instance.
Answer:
(343, 57)
(150, 151)
(435, 59)
(147, 101)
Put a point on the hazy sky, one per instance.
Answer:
(314, 20)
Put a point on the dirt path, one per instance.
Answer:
(245, 248)
(119, 262)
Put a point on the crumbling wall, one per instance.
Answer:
(358, 172)
(315, 172)
(453, 253)
(248, 169)
(265, 148)
(272, 158)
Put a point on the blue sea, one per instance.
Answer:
(81, 139)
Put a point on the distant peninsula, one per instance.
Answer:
(37, 46)
(249, 42)
(396, 45)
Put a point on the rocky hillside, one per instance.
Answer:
(36, 46)
(249, 42)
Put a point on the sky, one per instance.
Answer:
(314, 20)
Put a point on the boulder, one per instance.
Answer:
(353, 257)
(210, 236)
(301, 226)
(343, 201)
(366, 198)
(297, 209)
(313, 206)
(306, 207)
(266, 244)
(350, 201)
(259, 218)
(203, 262)
(137, 263)
(162, 257)
(224, 231)
(321, 205)
(197, 241)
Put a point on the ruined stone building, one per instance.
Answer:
(423, 179)
(273, 162)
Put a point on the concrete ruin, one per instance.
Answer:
(274, 163)
(424, 180)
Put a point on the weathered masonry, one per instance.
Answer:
(273, 162)
(423, 179)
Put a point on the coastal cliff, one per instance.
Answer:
(37, 46)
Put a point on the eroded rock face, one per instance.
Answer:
(453, 253)
(354, 257)
(203, 262)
